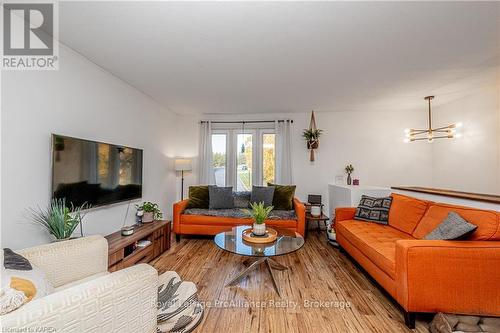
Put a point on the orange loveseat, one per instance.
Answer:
(461, 277)
(210, 225)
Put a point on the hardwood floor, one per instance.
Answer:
(317, 273)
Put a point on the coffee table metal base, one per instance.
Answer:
(270, 265)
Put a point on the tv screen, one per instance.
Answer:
(95, 173)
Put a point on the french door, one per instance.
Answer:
(244, 158)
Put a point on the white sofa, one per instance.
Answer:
(87, 298)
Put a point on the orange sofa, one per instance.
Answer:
(461, 277)
(210, 225)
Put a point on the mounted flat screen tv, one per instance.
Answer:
(93, 172)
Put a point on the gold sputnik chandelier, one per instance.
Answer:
(430, 134)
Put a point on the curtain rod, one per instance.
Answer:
(245, 121)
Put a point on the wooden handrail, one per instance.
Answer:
(492, 198)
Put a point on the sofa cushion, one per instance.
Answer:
(238, 213)
(220, 197)
(198, 196)
(375, 241)
(242, 199)
(263, 194)
(372, 209)
(453, 227)
(406, 212)
(211, 221)
(487, 221)
(283, 196)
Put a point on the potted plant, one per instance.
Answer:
(312, 137)
(349, 169)
(58, 219)
(259, 213)
(151, 211)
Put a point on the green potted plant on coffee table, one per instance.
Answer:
(259, 213)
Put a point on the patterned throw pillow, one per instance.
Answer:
(373, 209)
(21, 282)
(453, 226)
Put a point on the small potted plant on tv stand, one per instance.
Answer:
(151, 211)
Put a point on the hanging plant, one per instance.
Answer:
(311, 136)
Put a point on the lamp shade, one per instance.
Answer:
(183, 164)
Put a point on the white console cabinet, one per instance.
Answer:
(349, 195)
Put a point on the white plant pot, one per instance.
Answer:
(316, 211)
(147, 217)
(259, 229)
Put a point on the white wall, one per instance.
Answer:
(372, 141)
(471, 163)
(81, 100)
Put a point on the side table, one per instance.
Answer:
(310, 219)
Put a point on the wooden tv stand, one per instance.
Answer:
(122, 252)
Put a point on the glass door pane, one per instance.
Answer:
(244, 162)
(268, 158)
(219, 158)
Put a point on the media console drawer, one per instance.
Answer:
(123, 250)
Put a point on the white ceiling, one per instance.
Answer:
(237, 57)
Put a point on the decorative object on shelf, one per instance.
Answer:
(316, 210)
(270, 235)
(127, 230)
(349, 169)
(429, 134)
(138, 215)
(355, 182)
(151, 211)
(58, 219)
(183, 164)
(312, 137)
(259, 212)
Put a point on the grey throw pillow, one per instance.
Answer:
(372, 209)
(220, 197)
(453, 226)
(241, 199)
(263, 194)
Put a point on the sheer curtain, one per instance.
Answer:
(206, 173)
(283, 152)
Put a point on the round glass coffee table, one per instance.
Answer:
(233, 242)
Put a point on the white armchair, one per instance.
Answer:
(87, 297)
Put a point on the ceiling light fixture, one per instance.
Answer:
(430, 134)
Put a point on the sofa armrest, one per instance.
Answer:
(300, 211)
(72, 260)
(179, 208)
(344, 213)
(448, 276)
(124, 301)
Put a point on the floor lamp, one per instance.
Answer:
(182, 164)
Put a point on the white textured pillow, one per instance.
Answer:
(31, 283)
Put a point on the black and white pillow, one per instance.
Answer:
(373, 209)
